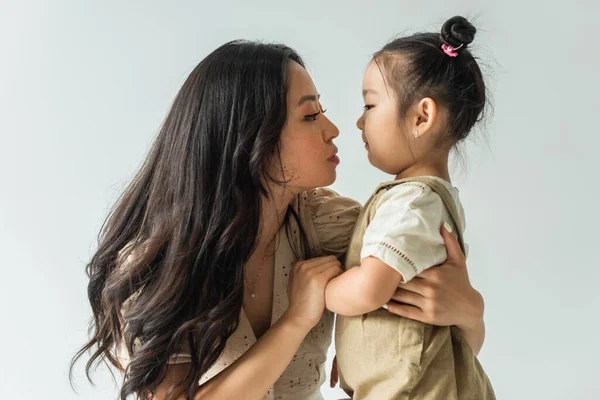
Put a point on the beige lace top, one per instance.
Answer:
(328, 220)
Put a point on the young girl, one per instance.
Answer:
(423, 94)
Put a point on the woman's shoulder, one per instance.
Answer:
(330, 217)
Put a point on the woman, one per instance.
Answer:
(210, 273)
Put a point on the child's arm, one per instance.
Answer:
(402, 240)
(362, 289)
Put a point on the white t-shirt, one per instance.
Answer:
(405, 231)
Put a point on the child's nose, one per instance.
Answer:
(360, 123)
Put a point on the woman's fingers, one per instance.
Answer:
(315, 262)
(406, 311)
(330, 271)
(455, 253)
(329, 266)
(408, 297)
(421, 287)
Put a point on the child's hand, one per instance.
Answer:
(334, 374)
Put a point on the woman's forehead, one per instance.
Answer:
(300, 85)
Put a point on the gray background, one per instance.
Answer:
(84, 86)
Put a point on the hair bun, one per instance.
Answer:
(457, 31)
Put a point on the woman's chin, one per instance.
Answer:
(331, 177)
(326, 179)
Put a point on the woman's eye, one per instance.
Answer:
(312, 117)
(368, 107)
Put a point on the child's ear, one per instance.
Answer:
(426, 114)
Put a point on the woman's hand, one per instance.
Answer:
(306, 289)
(444, 296)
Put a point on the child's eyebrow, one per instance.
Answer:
(366, 91)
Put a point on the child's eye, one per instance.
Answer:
(367, 107)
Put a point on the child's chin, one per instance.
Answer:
(372, 160)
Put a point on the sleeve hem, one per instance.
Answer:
(394, 257)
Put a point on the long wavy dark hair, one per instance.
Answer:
(188, 221)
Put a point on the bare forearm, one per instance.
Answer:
(473, 327)
(475, 335)
(348, 295)
(253, 374)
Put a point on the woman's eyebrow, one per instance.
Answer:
(308, 97)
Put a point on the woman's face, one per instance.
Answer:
(308, 155)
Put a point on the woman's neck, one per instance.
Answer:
(274, 210)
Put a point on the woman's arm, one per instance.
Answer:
(251, 376)
(444, 296)
(255, 372)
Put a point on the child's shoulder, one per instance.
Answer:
(412, 194)
(401, 193)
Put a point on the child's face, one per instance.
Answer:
(384, 135)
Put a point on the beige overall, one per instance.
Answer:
(383, 356)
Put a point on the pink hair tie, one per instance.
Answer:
(451, 51)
